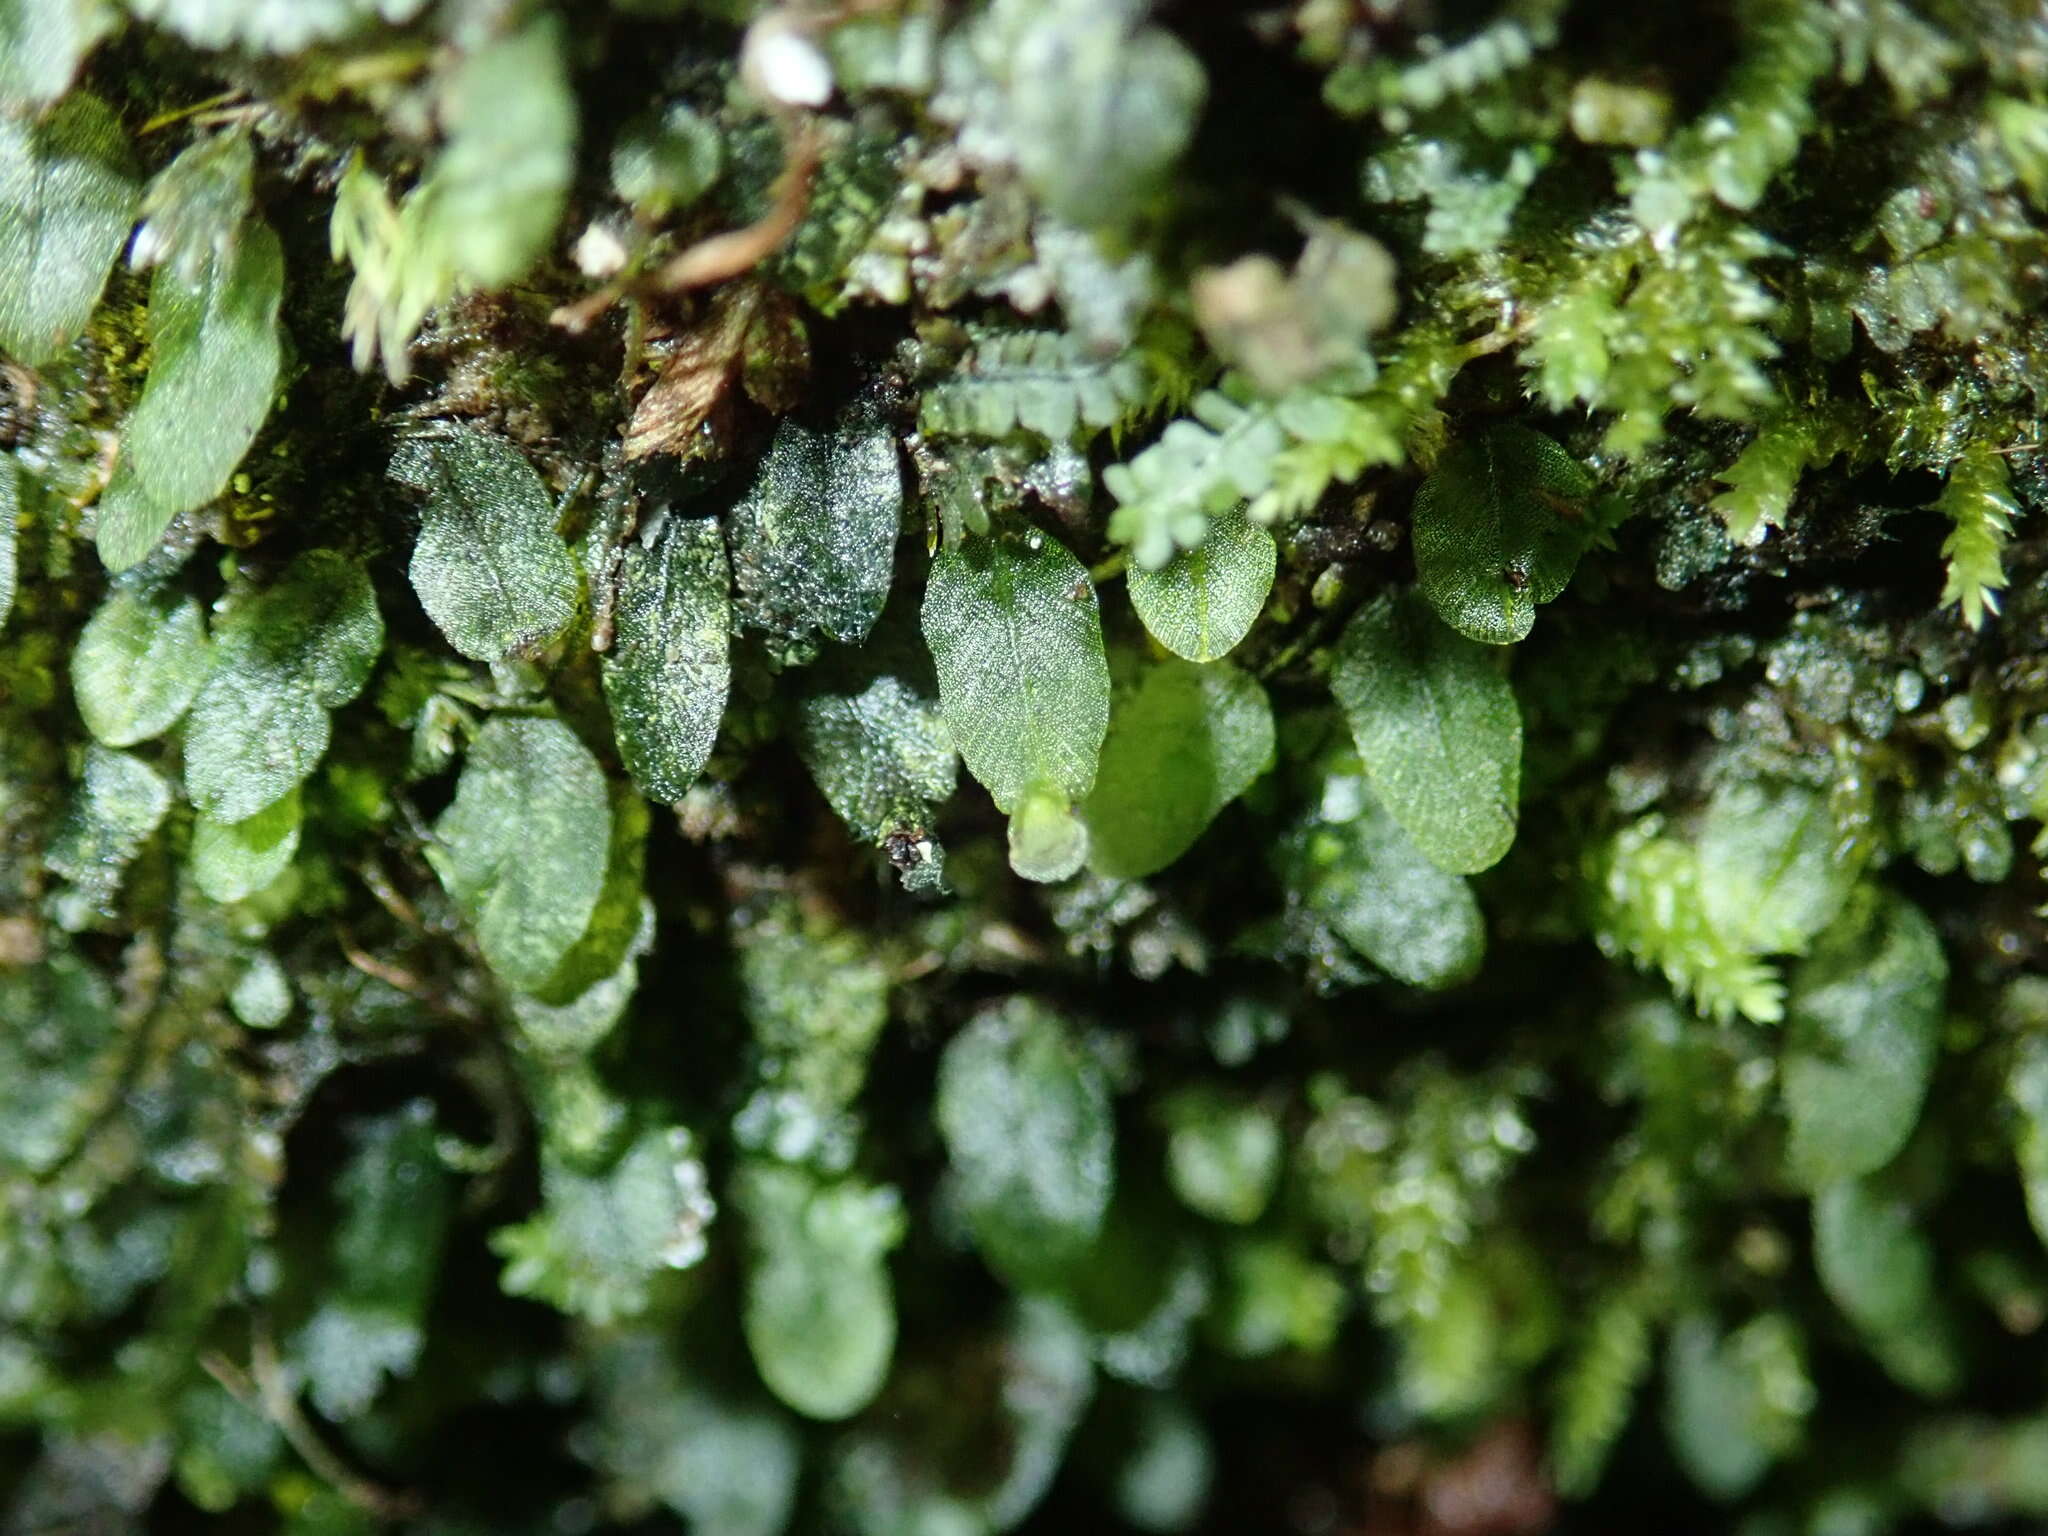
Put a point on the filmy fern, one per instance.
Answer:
(1048, 382)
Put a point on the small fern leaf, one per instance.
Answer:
(1595, 1390)
(1047, 382)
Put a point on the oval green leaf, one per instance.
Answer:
(524, 847)
(66, 204)
(282, 659)
(1183, 743)
(489, 567)
(670, 663)
(1863, 1020)
(234, 860)
(1498, 528)
(1438, 730)
(139, 664)
(1206, 599)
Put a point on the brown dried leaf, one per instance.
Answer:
(695, 378)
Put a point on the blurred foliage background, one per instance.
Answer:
(919, 769)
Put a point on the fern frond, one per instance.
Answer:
(1047, 382)
(1978, 501)
(1196, 469)
(1498, 49)
(1596, 1388)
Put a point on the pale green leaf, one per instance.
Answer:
(42, 43)
(489, 567)
(215, 351)
(66, 204)
(600, 1239)
(1770, 876)
(271, 26)
(1363, 876)
(523, 848)
(669, 667)
(1863, 1020)
(262, 996)
(1979, 503)
(139, 663)
(1877, 1265)
(234, 860)
(1499, 528)
(2026, 1089)
(56, 1076)
(1183, 742)
(1023, 681)
(582, 1021)
(814, 539)
(1222, 1155)
(589, 990)
(1026, 1118)
(193, 209)
(1596, 1388)
(820, 1313)
(1204, 600)
(1733, 1404)
(1437, 727)
(119, 802)
(282, 658)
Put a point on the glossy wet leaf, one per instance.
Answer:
(1877, 1265)
(1204, 600)
(1184, 741)
(523, 847)
(120, 801)
(1499, 528)
(814, 539)
(282, 658)
(214, 351)
(235, 860)
(820, 1312)
(1011, 622)
(66, 204)
(489, 567)
(1862, 1024)
(139, 663)
(591, 986)
(876, 743)
(669, 667)
(1437, 727)
(1361, 874)
(1025, 1115)
(194, 208)
(1771, 876)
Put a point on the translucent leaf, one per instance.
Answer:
(42, 43)
(814, 539)
(234, 860)
(669, 667)
(589, 990)
(523, 847)
(1362, 875)
(489, 567)
(193, 209)
(2026, 1089)
(1770, 875)
(384, 1261)
(1222, 1156)
(1980, 506)
(1025, 1114)
(1048, 382)
(119, 802)
(582, 1021)
(1733, 1404)
(1877, 1265)
(139, 663)
(1437, 727)
(1204, 600)
(1863, 1020)
(1014, 634)
(66, 203)
(876, 742)
(1183, 743)
(282, 658)
(820, 1313)
(1498, 528)
(60, 1066)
